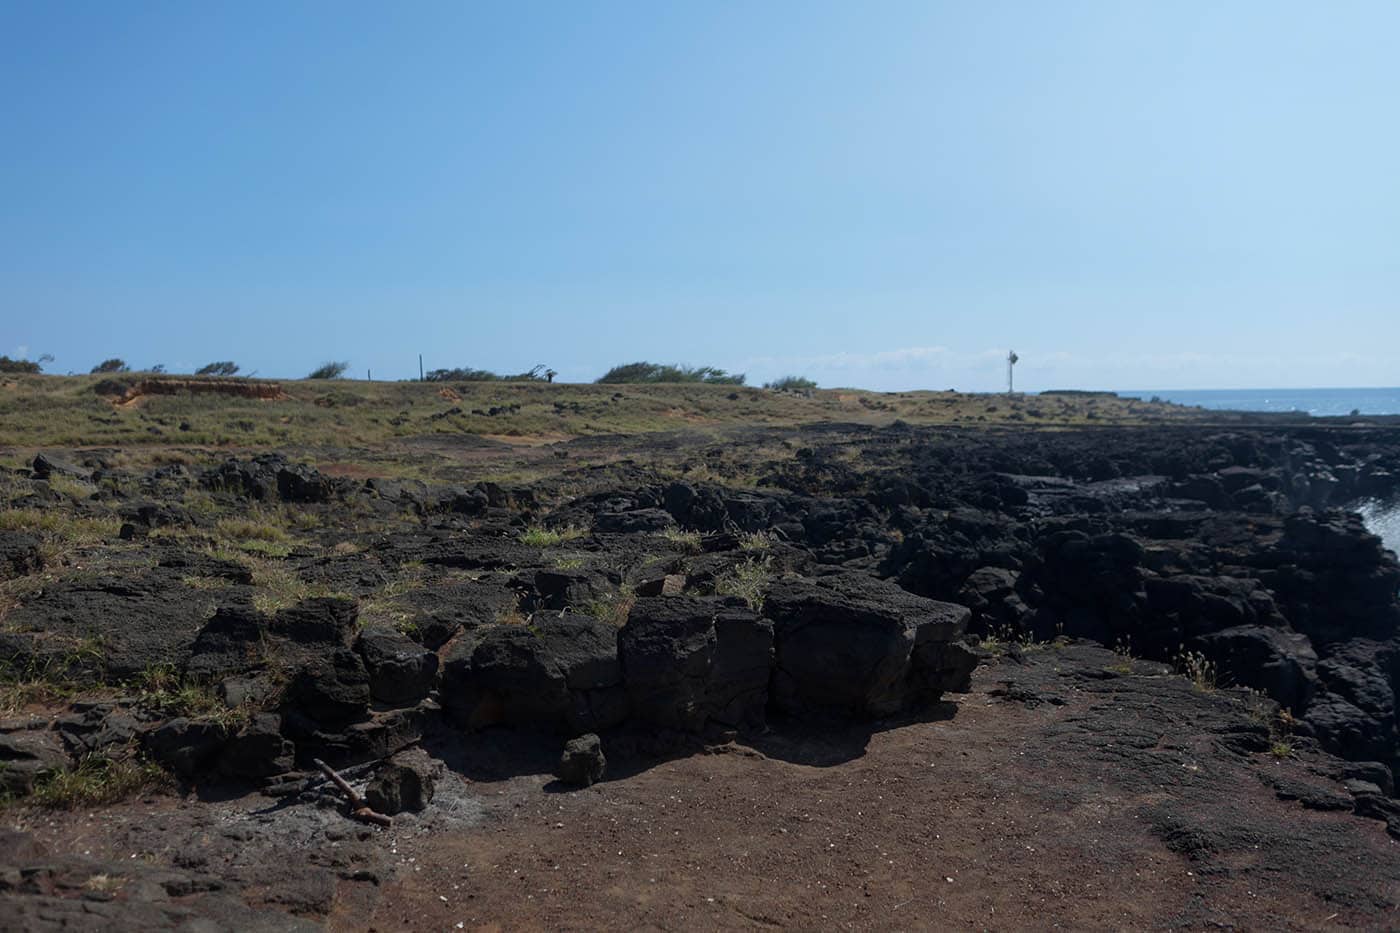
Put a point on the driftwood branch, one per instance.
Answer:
(358, 808)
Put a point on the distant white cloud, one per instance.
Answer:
(22, 352)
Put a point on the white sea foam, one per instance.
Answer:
(1383, 518)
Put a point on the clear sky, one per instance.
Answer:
(884, 194)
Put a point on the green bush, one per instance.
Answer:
(114, 365)
(467, 374)
(644, 372)
(8, 365)
(220, 368)
(329, 371)
(794, 383)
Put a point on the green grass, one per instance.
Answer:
(687, 542)
(383, 607)
(756, 540)
(1002, 638)
(748, 580)
(239, 530)
(615, 609)
(59, 528)
(161, 689)
(539, 536)
(276, 587)
(56, 678)
(70, 488)
(97, 780)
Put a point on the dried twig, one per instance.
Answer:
(358, 808)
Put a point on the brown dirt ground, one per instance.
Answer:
(968, 821)
(1034, 802)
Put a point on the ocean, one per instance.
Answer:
(1312, 401)
(1382, 518)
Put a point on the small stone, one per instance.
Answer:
(1357, 788)
(582, 762)
(397, 787)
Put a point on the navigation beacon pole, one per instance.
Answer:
(1011, 360)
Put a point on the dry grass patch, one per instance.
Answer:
(615, 609)
(687, 542)
(540, 536)
(748, 580)
(276, 587)
(96, 780)
(58, 528)
(162, 690)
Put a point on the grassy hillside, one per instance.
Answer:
(66, 411)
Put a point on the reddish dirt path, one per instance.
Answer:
(968, 822)
(914, 834)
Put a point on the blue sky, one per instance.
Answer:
(884, 194)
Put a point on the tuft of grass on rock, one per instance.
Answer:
(513, 615)
(756, 541)
(687, 542)
(276, 587)
(161, 689)
(1197, 668)
(615, 609)
(748, 580)
(540, 536)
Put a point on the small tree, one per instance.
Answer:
(158, 369)
(222, 368)
(329, 371)
(114, 365)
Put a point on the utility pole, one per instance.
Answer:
(1011, 360)
(420, 367)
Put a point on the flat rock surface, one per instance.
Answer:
(1070, 789)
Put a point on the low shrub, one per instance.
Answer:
(220, 368)
(332, 370)
(791, 384)
(644, 372)
(534, 374)
(8, 365)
